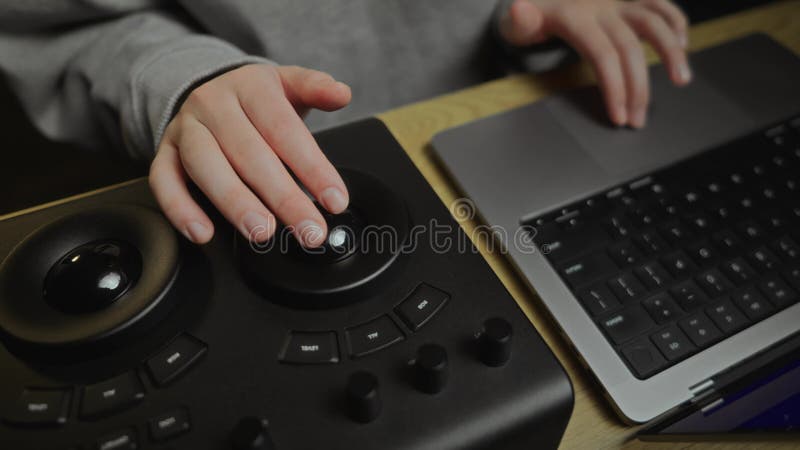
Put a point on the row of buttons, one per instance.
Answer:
(161, 428)
(323, 348)
(51, 406)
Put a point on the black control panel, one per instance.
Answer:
(115, 333)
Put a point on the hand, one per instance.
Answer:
(605, 32)
(232, 137)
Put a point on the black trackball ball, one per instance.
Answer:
(92, 276)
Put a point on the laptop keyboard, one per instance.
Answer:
(671, 263)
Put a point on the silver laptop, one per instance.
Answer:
(669, 255)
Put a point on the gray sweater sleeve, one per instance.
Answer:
(105, 72)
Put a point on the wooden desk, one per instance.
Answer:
(593, 424)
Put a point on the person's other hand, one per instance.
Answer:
(232, 137)
(606, 33)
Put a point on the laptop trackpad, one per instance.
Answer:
(681, 122)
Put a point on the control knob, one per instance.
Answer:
(494, 342)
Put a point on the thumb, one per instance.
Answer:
(522, 24)
(306, 89)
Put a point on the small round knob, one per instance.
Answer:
(251, 433)
(431, 368)
(363, 398)
(495, 342)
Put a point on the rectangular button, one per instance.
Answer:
(753, 303)
(700, 330)
(421, 305)
(121, 440)
(586, 269)
(627, 324)
(40, 407)
(174, 359)
(673, 344)
(727, 317)
(112, 395)
(310, 348)
(373, 336)
(598, 299)
(560, 246)
(168, 425)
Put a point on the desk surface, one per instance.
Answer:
(593, 424)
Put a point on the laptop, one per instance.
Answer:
(668, 256)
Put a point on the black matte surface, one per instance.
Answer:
(522, 405)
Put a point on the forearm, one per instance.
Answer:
(118, 75)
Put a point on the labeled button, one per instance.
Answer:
(40, 407)
(310, 348)
(673, 343)
(173, 360)
(421, 305)
(372, 336)
(168, 425)
(121, 440)
(112, 395)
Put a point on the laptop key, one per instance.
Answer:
(627, 324)
(739, 271)
(700, 330)
(598, 299)
(586, 269)
(676, 232)
(689, 295)
(750, 230)
(653, 275)
(777, 291)
(625, 253)
(787, 247)
(626, 287)
(764, 259)
(679, 264)
(753, 304)
(793, 275)
(643, 357)
(703, 253)
(562, 245)
(727, 241)
(651, 242)
(673, 343)
(714, 283)
(727, 317)
(662, 308)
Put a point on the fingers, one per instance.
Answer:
(591, 41)
(168, 183)
(258, 166)
(522, 24)
(205, 163)
(288, 136)
(306, 88)
(655, 30)
(634, 67)
(673, 16)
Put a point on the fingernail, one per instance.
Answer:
(333, 200)
(195, 232)
(310, 233)
(256, 226)
(638, 118)
(620, 115)
(684, 73)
